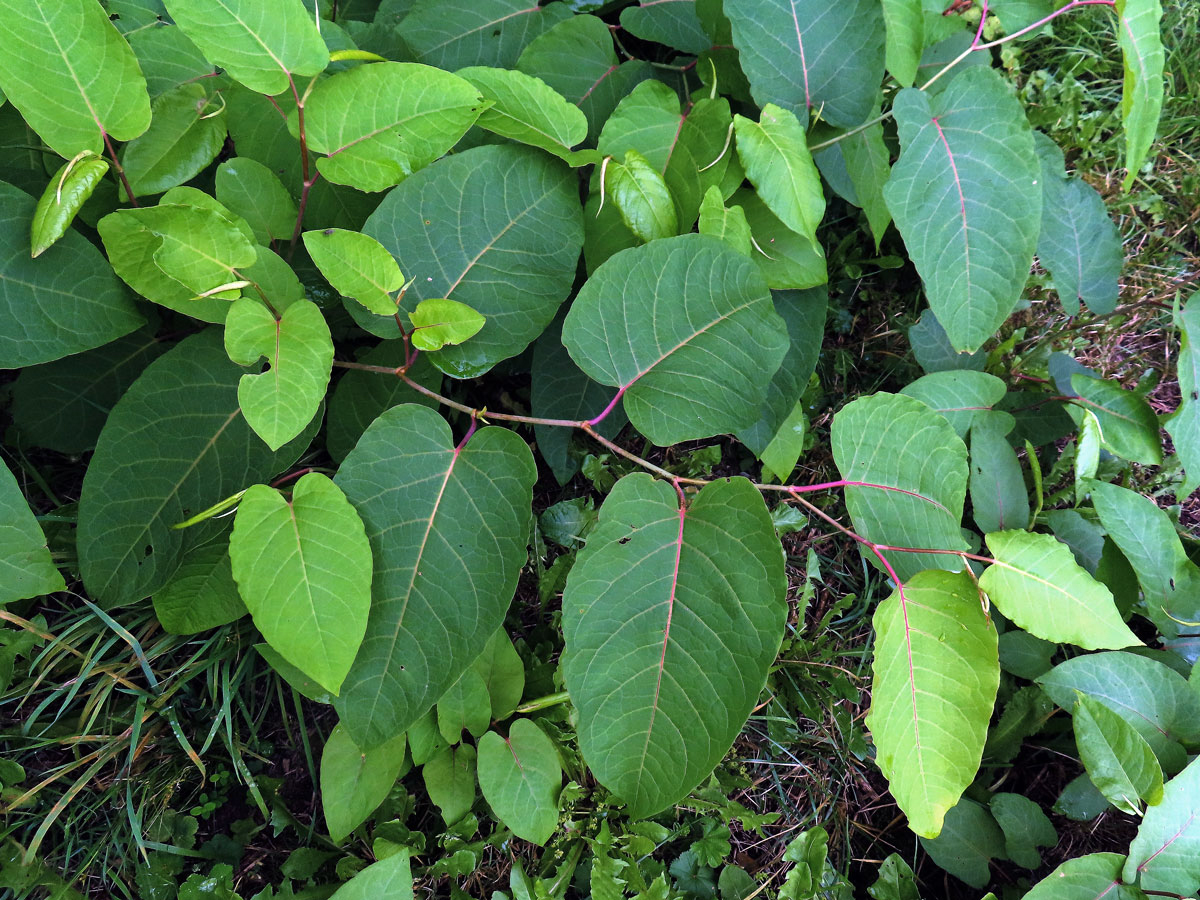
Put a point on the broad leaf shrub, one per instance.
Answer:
(212, 210)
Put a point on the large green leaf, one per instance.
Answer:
(785, 259)
(685, 329)
(26, 569)
(964, 195)
(1153, 698)
(416, 115)
(671, 617)
(303, 568)
(920, 465)
(167, 57)
(64, 302)
(388, 879)
(1090, 877)
(150, 472)
(71, 74)
(452, 34)
(1165, 855)
(201, 594)
(251, 190)
(520, 777)
(1128, 425)
(449, 777)
(526, 109)
(354, 782)
(186, 134)
(1143, 58)
(811, 55)
(497, 228)
(281, 401)
(670, 22)
(357, 266)
(1078, 244)
(1036, 582)
(960, 395)
(1184, 425)
(936, 671)
(448, 528)
(256, 43)
(774, 152)
(1120, 763)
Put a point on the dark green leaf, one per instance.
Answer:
(186, 134)
(202, 593)
(999, 499)
(1129, 426)
(251, 190)
(1117, 759)
(670, 22)
(451, 34)
(450, 780)
(970, 839)
(26, 569)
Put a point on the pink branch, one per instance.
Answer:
(611, 406)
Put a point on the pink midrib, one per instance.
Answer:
(962, 205)
(662, 659)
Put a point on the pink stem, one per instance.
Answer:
(611, 406)
(1074, 4)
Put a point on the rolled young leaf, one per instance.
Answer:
(67, 191)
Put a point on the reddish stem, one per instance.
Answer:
(117, 165)
(596, 420)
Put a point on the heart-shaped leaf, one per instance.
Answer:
(357, 266)
(440, 322)
(354, 781)
(520, 777)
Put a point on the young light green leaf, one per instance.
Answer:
(960, 395)
(450, 780)
(919, 468)
(357, 266)
(64, 302)
(280, 402)
(685, 329)
(26, 569)
(520, 778)
(785, 259)
(642, 197)
(999, 499)
(1184, 423)
(418, 113)
(1165, 855)
(1117, 758)
(354, 782)
(466, 706)
(671, 617)
(71, 74)
(388, 879)
(498, 228)
(1128, 424)
(673, 22)
(503, 673)
(774, 152)
(964, 195)
(1036, 582)
(1086, 878)
(67, 191)
(526, 109)
(812, 55)
(201, 594)
(256, 44)
(251, 190)
(303, 568)
(440, 322)
(149, 472)
(905, 21)
(728, 224)
(1143, 58)
(436, 515)
(451, 34)
(936, 671)
(186, 134)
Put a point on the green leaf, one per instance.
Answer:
(1117, 758)
(969, 840)
(526, 109)
(450, 780)
(670, 22)
(292, 676)
(67, 191)
(186, 134)
(451, 34)
(959, 395)
(936, 671)
(64, 302)
(1036, 582)
(257, 45)
(905, 21)
(466, 706)
(671, 618)
(520, 777)
(642, 197)
(913, 453)
(964, 195)
(167, 57)
(1151, 697)
(1079, 244)
(354, 782)
(1143, 58)
(729, 225)
(1026, 827)
(251, 190)
(1146, 536)
(303, 568)
(280, 402)
(785, 259)
(999, 499)
(436, 516)
(357, 266)
(503, 673)
(71, 74)
(1184, 424)
(1086, 878)
(684, 328)
(812, 55)
(497, 228)
(868, 165)
(774, 152)
(1165, 855)
(417, 115)
(1128, 425)
(388, 879)
(26, 569)
(201, 594)
(438, 323)
(149, 472)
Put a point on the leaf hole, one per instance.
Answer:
(624, 540)
(147, 551)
